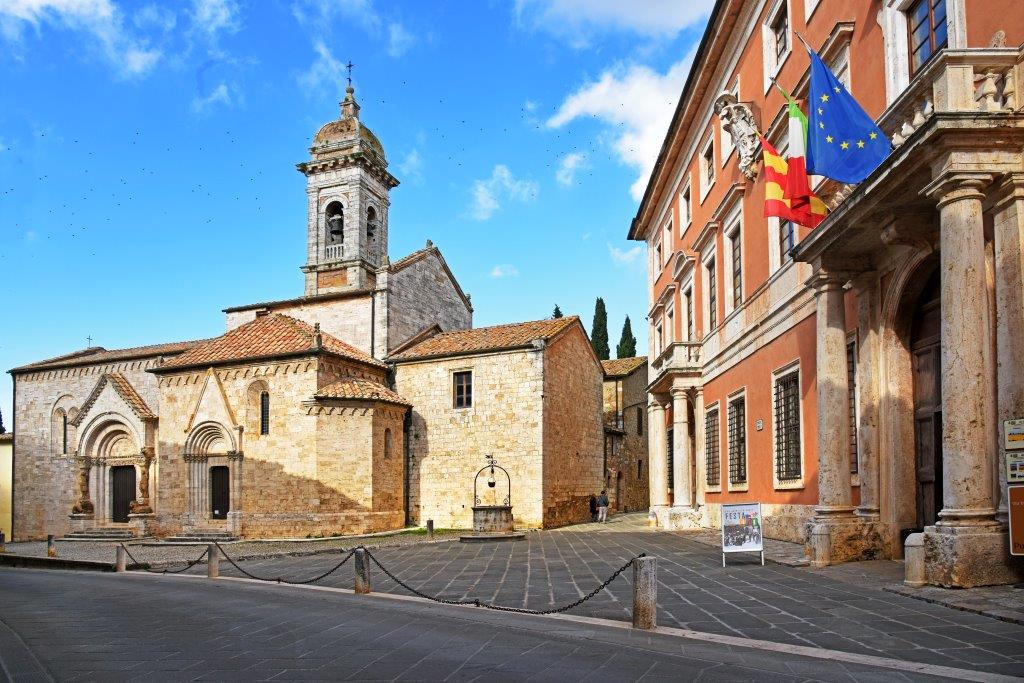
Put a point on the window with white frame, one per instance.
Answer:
(688, 311)
(777, 40)
(809, 7)
(710, 292)
(670, 324)
(712, 463)
(659, 262)
(738, 440)
(840, 66)
(667, 241)
(788, 458)
(685, 209)
(658, 338)
(927, 30)
(851, 379)
(707, 167)
(734, 264)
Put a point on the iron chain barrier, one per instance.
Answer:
(145, 565)
(283, 580)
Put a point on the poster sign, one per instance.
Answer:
(741, 529)
(1016, 505)
(1013, 434)
(1015, 467)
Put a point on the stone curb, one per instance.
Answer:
(36, 562)
(1013, 617)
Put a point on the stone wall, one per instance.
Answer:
(447, 445)
(573, 428)
(348, 319)
(631, 492)
(45, 479)
(422, 294)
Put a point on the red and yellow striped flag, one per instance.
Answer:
(776, 171)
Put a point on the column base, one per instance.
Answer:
(677, 517)
(834, 540)
(969, 556)
(142, 523)
(81, 522)
(235, 522)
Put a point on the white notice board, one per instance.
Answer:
(742, 529)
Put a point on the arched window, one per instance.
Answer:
(387, 443)
(59, 431)
(265, 413)
(371, 221)
(334, 218)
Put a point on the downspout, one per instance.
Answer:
(14, 451)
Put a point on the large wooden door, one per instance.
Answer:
(220, 492)
(122, 490)
(926, 351)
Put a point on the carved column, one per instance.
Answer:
(835, 498)
(682, 458)
(657, 446)
(1009, 257)
(867, 374)
(698, 449)
(84, 505)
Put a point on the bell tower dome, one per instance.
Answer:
(347, 188)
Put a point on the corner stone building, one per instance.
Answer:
(289, 423)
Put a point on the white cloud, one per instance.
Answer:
(565, 175)
(636, 104)
(625, 257)
(504, 270)
(214, 16)
(219, 95)
(400, 40)
(501, 186)
(326, 71)
(529, 105)
(129, 54)
(154, 17)
(578, 20)
(412, 165)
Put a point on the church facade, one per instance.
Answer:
(291, 423)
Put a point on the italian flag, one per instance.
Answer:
(788, 192)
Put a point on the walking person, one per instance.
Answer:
(593, 508)
(602, 507)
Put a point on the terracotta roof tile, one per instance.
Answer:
(356, 388)
(97, 355)
(483, 339)
(6, 436)
(620, 367)
(124, 389)
(268, 336)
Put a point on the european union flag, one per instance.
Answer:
(843, 142)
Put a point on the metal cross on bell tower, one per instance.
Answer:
(349, 67)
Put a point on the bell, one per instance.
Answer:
(335, 225)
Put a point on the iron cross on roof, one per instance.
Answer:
(349, 67)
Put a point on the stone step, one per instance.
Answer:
(202, 535)
(100, 534)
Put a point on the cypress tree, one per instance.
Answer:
(627, 343)
(557, 313)
(599, 332)
(3, 430)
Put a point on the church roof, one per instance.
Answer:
(484, 339)
(97, 355)
(359, 389)
(124, 389)
(620, 367)
(267, 337)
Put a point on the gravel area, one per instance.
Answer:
(175, 555)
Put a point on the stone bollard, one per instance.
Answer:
(212, 562)
(120, 559)
(913, 561)
(51, 546)
(430, 529)
(3, 542)
(362, 571)
(645, 593)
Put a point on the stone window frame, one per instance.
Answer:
(686, 300)
(63, 434)
(710, 298)
(777, 374)
(708, 410)
(773, 60)
(733, 233)
(472, 398)
(265, 412)
(809, 7)
(706, 164)
(852, 344)
(738, 395)
(895, 38)
(685, 201)
(670, 323)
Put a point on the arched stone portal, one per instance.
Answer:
(109, 444)
(214, 466)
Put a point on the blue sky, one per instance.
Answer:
(147, 153)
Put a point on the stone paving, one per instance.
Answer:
(829, 608)
(110, 627)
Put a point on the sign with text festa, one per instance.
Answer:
(742, 529)
(1016, 509)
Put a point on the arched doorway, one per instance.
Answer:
(926, 357)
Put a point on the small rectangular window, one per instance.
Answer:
(707, 165)
(684, 210)
(738, 441)
(639, 469)
(712, 467)
(688, 297)
(851, 378)
(462, 389)
(927, 31)
(639, 421)
(264, 413)
(671, 461)
(787, 240)
(712, 293)
(787, 427)
(737, 268)
(780, 33)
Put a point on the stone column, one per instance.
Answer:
(867, 373)
(657, 448)
(966, 547)
(1009, 238)
(683, 486)
(698, 447)
(834, 495)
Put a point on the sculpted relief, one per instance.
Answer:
(738, 121)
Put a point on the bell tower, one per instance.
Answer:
(347, 189)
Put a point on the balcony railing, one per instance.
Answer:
(972, 80)
(681, 357)
(334, 252)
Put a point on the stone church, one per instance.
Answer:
(299, 420)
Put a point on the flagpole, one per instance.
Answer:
(806, 44)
